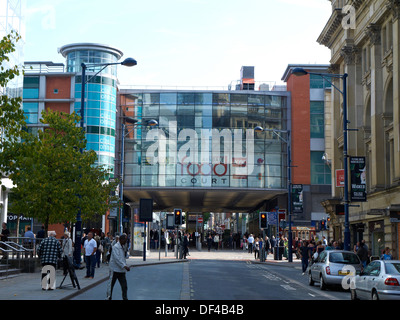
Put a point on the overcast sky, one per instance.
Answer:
(184, 42)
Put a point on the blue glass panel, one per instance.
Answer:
(31, 117)
(30, 93)
(30, 107)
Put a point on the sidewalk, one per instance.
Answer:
(27, 286)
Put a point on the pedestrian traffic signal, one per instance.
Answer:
(263, 220)
(178, 216)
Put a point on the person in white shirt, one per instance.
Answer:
(89, 249)
(118, 268)
(251, 243)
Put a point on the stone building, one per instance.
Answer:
(363, 37)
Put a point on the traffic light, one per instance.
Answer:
(178, 216)
(263, 220)
(323, 225)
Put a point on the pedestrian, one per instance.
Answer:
(273, 243)
(185, 243)
(66, 252)
(49, 252)
(209, 242)
(5, 233)
(118, 268)
(29, 241)
(99, 251)
(386, 254)
(304, 256)
(267, 246)
(250, 242)
(216, 241)
(362, 253)
(89, 249)
(256, 248)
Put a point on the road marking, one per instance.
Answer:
(287, 287)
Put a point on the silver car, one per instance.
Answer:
(332, 266)
(379, 280)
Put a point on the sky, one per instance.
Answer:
(184, 42)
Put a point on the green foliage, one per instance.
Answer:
(11, 114)
(54, 177)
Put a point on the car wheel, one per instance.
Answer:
(310, 279)
(353, 294)
(375, 295)
(322, 284)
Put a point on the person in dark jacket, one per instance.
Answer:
(362, 253)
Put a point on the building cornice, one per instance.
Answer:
(334, 22)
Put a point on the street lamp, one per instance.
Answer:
(289, 173)
(128, 62)
(325, 76)
(134, 123)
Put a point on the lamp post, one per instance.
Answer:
(343, 77)
(128, 62)
(134, 123)
(289, 173)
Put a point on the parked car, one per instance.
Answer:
(332, 266)
(379, 280)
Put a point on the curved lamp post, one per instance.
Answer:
(128, 62)
(289, 173)
(343, 77)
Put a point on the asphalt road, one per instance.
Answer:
(216, 280)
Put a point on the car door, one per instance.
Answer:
(373, 278)
(361, 282)
(316, 268)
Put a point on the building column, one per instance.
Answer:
(395, 8)
(376, 169)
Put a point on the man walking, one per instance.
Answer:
(118, 268)
(49, 252)
(89, 249)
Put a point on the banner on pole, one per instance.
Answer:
(358, 190)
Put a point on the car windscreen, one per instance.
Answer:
(393, 268)
(344, 258)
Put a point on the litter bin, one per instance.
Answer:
(278, 253)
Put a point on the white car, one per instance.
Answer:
(379, 280)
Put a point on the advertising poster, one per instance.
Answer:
(358, 188)
(297, 198)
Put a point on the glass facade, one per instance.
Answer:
(206, 140)
(100, 96)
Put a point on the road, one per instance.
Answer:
(216, 280)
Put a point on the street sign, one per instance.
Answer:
(200, 219)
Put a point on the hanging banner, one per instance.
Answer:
(358, 190)
(297, 197)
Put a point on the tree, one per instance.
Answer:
(12, 117)
(54, 178)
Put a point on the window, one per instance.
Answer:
(317, 123)
(318, 82)
(31, 111)
(344, 257)
(320, 172)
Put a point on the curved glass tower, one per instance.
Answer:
(100, 92)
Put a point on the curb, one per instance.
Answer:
(94, 284)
